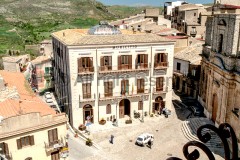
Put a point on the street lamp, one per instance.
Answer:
(116, 101)
(142, 98)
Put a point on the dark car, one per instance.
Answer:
(197, 110)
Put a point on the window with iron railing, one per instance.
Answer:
(86, 89)
(53, 137)
(159, 84)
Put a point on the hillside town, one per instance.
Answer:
(155, 85)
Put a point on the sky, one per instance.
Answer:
(147, 2)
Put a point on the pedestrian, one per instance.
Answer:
(111, 139)
(150, 144)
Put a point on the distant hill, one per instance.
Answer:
(30, 21)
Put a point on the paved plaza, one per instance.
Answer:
(168, 139)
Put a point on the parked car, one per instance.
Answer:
(47, 95)
(144, 138)
(197, 110)
(49, 100)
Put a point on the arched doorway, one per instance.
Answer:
(124, 108)
(88, 113)
(158, 104)
(214, 107)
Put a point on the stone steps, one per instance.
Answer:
(189, 129)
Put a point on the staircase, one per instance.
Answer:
(189, 129)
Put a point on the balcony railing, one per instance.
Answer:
(83, 70)
(160, 65)
(159, 90)
(54, 145)
(124, 66)
(142, 66)
(87, 97)
(120, 94)
(105, 68)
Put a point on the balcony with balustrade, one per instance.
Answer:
(54, 145)
(160, 90)
(86, 70)
(114, 95)
(87, 97)
(161, 65)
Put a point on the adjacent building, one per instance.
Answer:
(220, 72)
(16, 63)
(41, 73)
(29, 128)
(106, 73)
(187, 70)
(191, 19)
(169, 7)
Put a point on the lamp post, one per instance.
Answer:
(116, 101)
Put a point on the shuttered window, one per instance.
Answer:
(108, 89)
(4, 149)
(25, 141)
(160, 57)
(86, 89)
(159, 83)
(108, 109)
(53, 136)
(125, 62)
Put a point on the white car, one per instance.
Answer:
(49, 100)
(48, 95)
(144, 138)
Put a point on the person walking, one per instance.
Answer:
(111, 139)
(150, 144)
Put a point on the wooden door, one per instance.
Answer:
(121, 110)
(214, 107)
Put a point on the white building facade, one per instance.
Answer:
(111, 76)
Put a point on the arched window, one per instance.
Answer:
(108, 109)
(220, 43)
(29, 158)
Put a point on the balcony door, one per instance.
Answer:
(142, 61)
(159, 84)
(86, 89)
(53, 137)
(125, 62)
(108, 89)
(160, 59)
(85, 64)
(140, 85)
(124, 87)
(106, 63)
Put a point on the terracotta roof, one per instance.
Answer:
(30, 102)
(190, 54)
(73, 37)
(10, 107)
